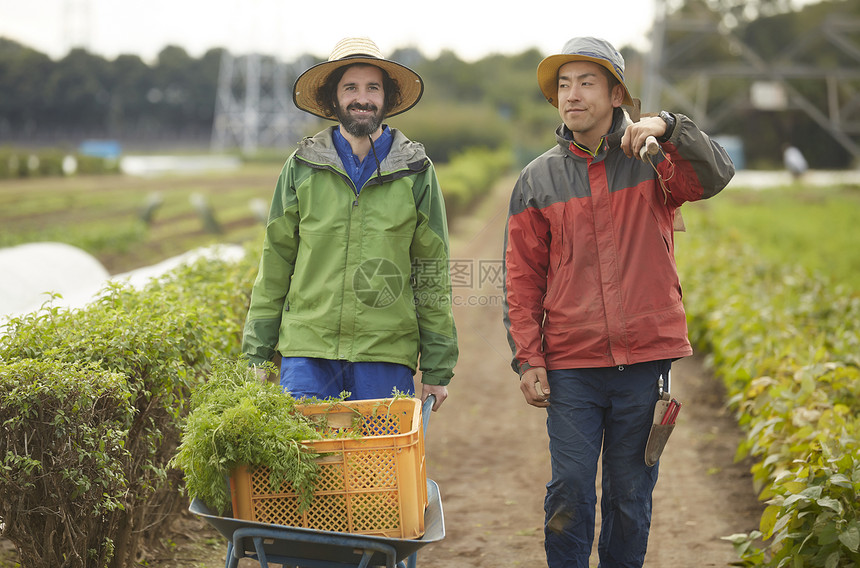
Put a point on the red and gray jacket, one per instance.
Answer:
(590, 276)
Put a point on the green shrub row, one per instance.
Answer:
(470, 175)
(51, 162)
(90, 407)
(785, 343)
(447, 130)
(64, 460)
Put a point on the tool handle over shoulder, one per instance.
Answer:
(650, 148)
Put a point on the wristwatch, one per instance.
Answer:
(669, 119)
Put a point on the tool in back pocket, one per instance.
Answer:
(665, 413)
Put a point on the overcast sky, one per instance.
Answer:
(289, 28)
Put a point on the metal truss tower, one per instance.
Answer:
(762, 84)
(254, 106)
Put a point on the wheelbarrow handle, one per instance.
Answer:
(426, 409)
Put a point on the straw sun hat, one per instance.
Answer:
(590, 49)
(348, 52)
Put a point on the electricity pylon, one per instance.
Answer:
(253, 106)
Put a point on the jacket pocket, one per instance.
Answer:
(561, 254)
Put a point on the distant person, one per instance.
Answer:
(593, 301)
(794, 162)
(353, 287)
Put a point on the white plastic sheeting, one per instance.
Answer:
(30, 273)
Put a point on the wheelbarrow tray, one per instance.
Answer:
(311, 548)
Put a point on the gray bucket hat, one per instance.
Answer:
(591, 49)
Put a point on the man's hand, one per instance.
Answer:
(635, 135)
(439, 391)
(535, 387)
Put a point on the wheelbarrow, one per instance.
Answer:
(310, 548)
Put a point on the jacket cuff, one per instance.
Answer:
(428, 379)
(536, 362)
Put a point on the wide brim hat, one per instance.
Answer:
(591, 49)
(350, 51)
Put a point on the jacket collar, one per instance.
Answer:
(404, 154)
(564, 137)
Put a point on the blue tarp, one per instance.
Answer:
(108, 149)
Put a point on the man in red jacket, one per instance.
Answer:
(593, 301)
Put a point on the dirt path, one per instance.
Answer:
(487, 449)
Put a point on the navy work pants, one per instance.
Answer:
(594, 410)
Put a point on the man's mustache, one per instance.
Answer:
(359, 106)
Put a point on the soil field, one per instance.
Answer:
(487, 449)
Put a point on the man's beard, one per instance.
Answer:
(360, 127)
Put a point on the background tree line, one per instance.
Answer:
(492, 102)
(83, 95)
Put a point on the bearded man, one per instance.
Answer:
(353, 290)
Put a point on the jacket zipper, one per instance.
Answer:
(340, 336)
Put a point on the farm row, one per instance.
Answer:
(774, 301)
(128, 222)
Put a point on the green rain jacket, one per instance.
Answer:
(356, 276)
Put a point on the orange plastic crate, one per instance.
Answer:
(374, 484)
